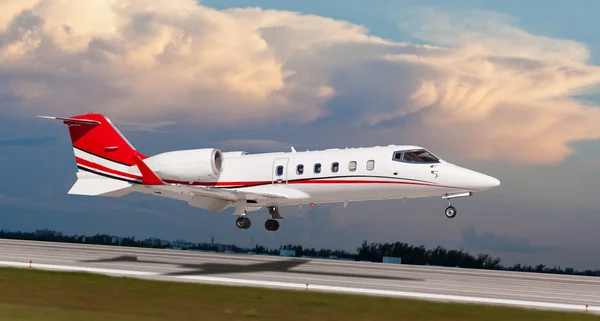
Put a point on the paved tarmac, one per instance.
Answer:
(545, 291)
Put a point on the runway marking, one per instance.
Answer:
(76, 268)
(430, 271)
(394, 293)
(416, 295)
(439, 287)
(522, 292)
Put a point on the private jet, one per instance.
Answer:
(208, 178)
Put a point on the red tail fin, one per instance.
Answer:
(102, 140)
(100, 148)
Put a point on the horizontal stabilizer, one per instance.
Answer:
(73, 120)
(100, 186)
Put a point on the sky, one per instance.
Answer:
(507, 88)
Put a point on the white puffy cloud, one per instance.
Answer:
(484, 87)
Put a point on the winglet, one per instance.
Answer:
(72, 120)
(148, 176)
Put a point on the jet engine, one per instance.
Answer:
(187, 165)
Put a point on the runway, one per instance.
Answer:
(545, 291)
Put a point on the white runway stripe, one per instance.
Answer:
(299, 286)
(75, 268)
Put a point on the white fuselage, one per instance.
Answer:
(207, 178)
(362, 174)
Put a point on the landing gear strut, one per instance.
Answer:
(243, 222)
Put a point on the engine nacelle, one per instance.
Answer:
(234, 154)
(187, 165)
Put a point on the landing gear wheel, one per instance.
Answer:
(243, 223)
(450, 211)
(272, 225)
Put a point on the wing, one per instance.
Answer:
(232, 195)
(211, 198)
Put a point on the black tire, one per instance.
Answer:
(450, 212)
(271, 225)
(243, 223)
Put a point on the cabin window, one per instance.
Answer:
(335, 167)
(279, 170)
(352, 166)
(370, 165)
(419, 156)
(317, 168)
(300, 169)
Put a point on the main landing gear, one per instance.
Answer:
(243, 222)
(271, 224)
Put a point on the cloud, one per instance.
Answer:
(488, 241)
(7, 201)
(480, 89)
(149, 126)
(26, 141)
(247, 144)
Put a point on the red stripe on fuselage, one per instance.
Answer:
(222, 184)
(84, 162)
(363, 181)
(315, 181)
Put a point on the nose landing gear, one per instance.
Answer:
(450, 211)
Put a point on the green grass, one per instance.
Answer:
(42, 295)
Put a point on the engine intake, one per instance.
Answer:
(187, 165)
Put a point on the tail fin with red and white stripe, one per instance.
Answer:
(103, 156)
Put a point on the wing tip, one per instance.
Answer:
(72, 120)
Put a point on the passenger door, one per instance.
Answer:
(280, 171)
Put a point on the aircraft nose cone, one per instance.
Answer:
(484, 182)
(491, 182)
(474, 180)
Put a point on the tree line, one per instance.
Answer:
(372, 252)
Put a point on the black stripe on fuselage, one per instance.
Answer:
(109, 175)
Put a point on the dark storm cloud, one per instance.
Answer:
(489, 241)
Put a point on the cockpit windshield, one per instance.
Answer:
(415, 156)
